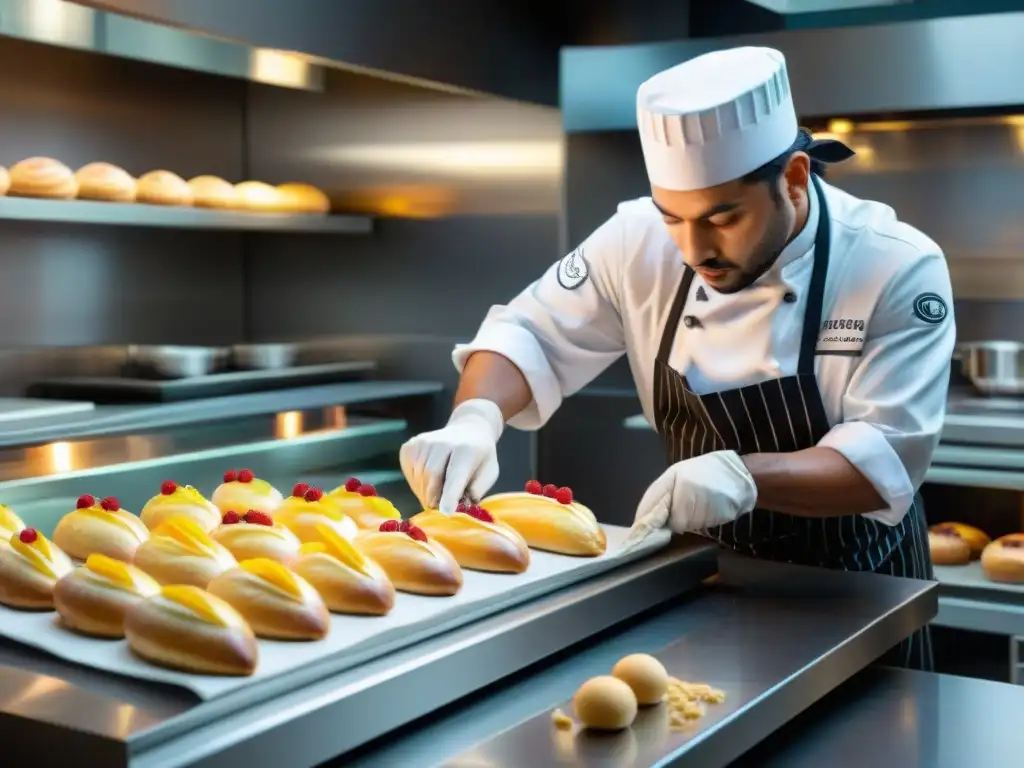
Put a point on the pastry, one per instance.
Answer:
(257, 196)
(100, 527)
(213, 192)
(30, 567)
(605, 703)
(277, 604)
(645, 675)
(549, 519)
(361, 502)
(1003, 559)
(348, 581)
(475, 539)
(10, 524)
(307, 508)
(103, 181)
(5, 181)
(93, 598)
(181, 552)
(255, 534)
(942, 540)
(412, 562)
(179, 501)
(42, 177)
(242, 491)
(163, 188)
(186, 628)
(303, 198)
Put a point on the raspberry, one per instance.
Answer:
(405, 526)
(245, 476)
(84, 502)
(230, 476)
(167, 487)
(111, 504)
(352, 484)
(255, 517)
(367, 490)
(231, 518)
(300, 489)
(550, 490)
(463, 508)
(481, 514)
(28, 535)
(563, 495)
(314, 494)
(416, 533)
(534, 487)
(388, 526)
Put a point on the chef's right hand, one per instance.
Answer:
(458, 460)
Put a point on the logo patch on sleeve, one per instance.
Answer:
(931, 308)
(573, 271)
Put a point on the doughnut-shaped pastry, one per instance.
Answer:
(179, 501)
(188, 629)
(476, 540)
(412, 562)
(257, 196)
(242, 491)
(5, 181)
(42, 177)
(163, 188)
(10, 524)
(348, 580)
(181, 552)
(308, 508)
(303, 198)
(549, 519)
(361, 502)
(1003, 559)
(106, 182)
(94, 597)
(975, 539)
(213, 192)
(100, 527)
(255, 535)
(30, 568)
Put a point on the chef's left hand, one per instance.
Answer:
(697, 493)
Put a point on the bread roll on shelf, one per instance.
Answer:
(242, 491)
(476, 540)
(5, 181)
(260, 197)
(303, 198)
(30, 567)
(42, 177)
(412, 562)
(348, 580)
(100, 526)
(105, 182)
(94, 598)
(307, 508)
(213, 192)
(1003, 559)
(163, 188)
(360, 502)
(255, 535)
(181, 552)
(975, 539)
(179, 501)
(549, 519)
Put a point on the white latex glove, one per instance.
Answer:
(695, 494)
(458, 460)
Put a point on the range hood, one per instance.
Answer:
(819, 6)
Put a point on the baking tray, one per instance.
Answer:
(112, 390)
(970, 580)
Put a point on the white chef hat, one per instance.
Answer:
(715, 118)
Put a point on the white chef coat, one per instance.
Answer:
(883, 351)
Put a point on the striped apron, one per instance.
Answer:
(780, 416)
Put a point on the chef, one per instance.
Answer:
(790, 343)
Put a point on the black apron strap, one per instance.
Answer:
(816, 293)
(668, 336)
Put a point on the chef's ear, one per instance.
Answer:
(797, 174)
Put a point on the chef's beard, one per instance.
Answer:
(767, 251)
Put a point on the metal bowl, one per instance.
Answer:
(263, 357)
(993, 367)
(174, 362)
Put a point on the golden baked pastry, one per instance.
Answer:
(255, 534)
(943, 535)
(42, 177)
(257, 196)
(475, 539)
(163, 188)
(179, 501)
(307, 508)
(30, 567)
(277, 603)
(94, 597)
(605, 703)
(100, 527)
(645, 675)
(10, 524)
(213, 192)
(5, 181)
(412, 562)
(1003, 559)
(242, 491)
(188, 629)
(303, 198)
(181, 552)
(103, 181)
(549, 519)
(348, 580)
(361, 502)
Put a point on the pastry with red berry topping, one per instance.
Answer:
(348, 580)
(100, 527)
(411, 560)
(94, 597)
(242, 491)
(360, 502)
(189, 629)
(256, 535)
(30, 568)
(476, 540)
(308, 508)
(179, 501)
(1003, 559)
(278, 604)
(956, 543)
(181, 552)
(550, 519)
(10, 524)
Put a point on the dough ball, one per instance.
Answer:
(645, 675)
(605, 703)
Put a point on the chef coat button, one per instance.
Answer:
(691, 322)
(789, 297)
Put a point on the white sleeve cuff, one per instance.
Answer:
(866, 448)
(522, 348)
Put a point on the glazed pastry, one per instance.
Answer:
(94, 597)
(348, 581)
(475, 539)
(5, 181)
(30, 568)
(549, 519)
(100, 527)
(361, 502)
(179, 501)
(242, 491)
(10, 524)
(277, 604)
(412, 562)
(303, 198)
(186, 628)
(163, 188)
(42, 177)
(1003, 559)
(181, 552)
(307, 508)
(257, 196)
(213, 192)
(255, 534)
(103, 181)
(942, 538)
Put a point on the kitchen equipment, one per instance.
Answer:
(173, 362)
(15, 408)
(993, 367)
(263, 357)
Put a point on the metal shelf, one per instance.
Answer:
(173, 217)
